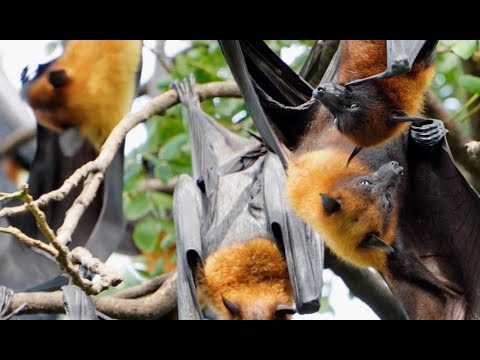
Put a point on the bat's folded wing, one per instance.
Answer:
(187, 214)
(303, 247)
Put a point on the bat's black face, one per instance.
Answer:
(381, 185)
(352, 106)
(258, 309)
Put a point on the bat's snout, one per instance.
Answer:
(332, 96)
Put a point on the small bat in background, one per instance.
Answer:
(421, 232)
(237, 239)
(372, 108)
(78, 98)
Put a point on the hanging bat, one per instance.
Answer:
(238, 242)
(77, 99)
(15, 123)
(372, 108)
(403, 207)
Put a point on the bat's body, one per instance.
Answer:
(368, 111)
(433, 269)
(79, 96)
(235, 232)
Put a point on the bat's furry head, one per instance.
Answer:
(361, 112)
(353, 208)
(248, 281)
(90, 86)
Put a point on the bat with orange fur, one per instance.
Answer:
(402, 207)
(381, 86)
(77, 98)
(238, 242)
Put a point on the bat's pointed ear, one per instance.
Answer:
(58, 78)
(330, 205)
(232, 308)
(374, 242)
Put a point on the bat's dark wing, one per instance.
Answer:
(318, 61)
(78, 305)
(303, 246)
(280, 102)
(401, 55)
(440, 223)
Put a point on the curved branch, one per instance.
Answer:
(153, 306)
(158, 105)
(368, 288)
(456, 139)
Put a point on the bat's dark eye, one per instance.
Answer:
(354, 107)
(366, 183)
(283, 313)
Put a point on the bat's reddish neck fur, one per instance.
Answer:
(253, 275)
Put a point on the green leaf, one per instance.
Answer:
(159, 268)
(470, 83)
(161, 200)
(164, 172)
(137, 206)
(168, 241)
(132, 169)
(465, 48)
(132, 183)
(145, 234)
(173, 146)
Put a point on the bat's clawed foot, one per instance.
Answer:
(6, 296)
(428, 133)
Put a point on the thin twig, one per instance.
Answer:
(30, 242)
(158, 105)
(76, 211)
(142, 289)
(81, 256)
(159, 52)
(156, 185)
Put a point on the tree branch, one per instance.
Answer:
(143, 289)
(456, 139)
(157, 106)
(76, 211)
(157, 185)
(153, 306)
(30, 242)
(364, 285)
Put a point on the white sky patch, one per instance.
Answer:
(291, 53)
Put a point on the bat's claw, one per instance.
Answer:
(6, 296)
(428, 133)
